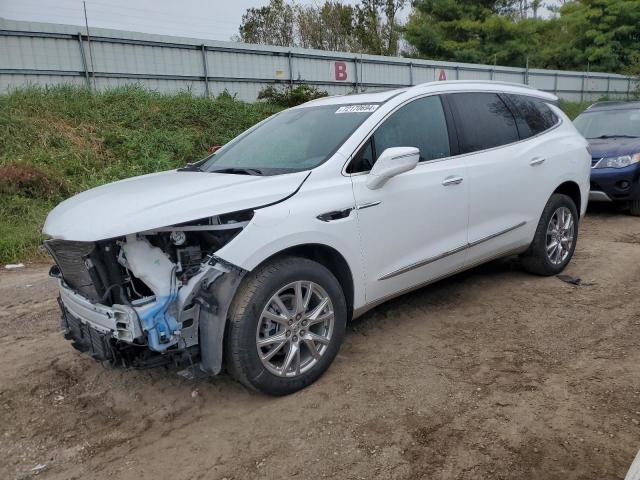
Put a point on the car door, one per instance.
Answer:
(506, 177)
(414, 228)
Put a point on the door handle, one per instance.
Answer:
(537, 161)
(452, 181)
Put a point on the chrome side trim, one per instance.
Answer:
(369, 306)
(427, 261)
(368, 205)
(422, 263)
(494, 235)
(404, 156)
(598, 196)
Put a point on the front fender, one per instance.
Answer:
(286, 225)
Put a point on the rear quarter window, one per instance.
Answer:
(533, 115)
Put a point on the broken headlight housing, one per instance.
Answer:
(189, 244)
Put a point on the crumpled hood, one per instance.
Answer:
(163, 199)
(614, 147)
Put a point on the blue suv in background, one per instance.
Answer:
(613, 131)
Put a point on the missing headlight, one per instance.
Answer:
(189, 244)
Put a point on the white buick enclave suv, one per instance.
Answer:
(256, 257)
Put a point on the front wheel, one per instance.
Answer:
(634, 208)
(555, 238)
(286, 325)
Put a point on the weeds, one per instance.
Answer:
(573, 109)
(55, 142)
(290, 95)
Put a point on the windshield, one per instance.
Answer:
(609, 123)
(291, 141)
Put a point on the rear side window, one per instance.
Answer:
(550, 118)
(483, 121)
(533, 116)
(420, 124)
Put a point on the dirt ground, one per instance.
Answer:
(492, 374)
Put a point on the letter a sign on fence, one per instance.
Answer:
(340, 71)
(443, 75)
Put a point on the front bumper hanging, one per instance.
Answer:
(119, 321)
(117, 335)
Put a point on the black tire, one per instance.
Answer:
(535, 260)
(241, 352)
(634, 208)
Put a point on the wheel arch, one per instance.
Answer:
(572, 190)
(328, 257)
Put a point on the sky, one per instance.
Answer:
(211, 19)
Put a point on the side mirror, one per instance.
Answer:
(392, 162)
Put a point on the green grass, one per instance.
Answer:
(56, 142)
(59, 141)
(573, 109)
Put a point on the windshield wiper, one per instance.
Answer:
(239, 171)
(613, 136)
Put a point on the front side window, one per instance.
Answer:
(292, 141)
(532, 115)
(609, 123)
(483, 121)
(419, 124)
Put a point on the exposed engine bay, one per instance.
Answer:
(150, 298)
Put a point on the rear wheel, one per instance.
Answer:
(286, 326)
(555, 238)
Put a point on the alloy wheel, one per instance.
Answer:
(295, 328)
(560, 235)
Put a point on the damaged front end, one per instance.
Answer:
(150, 298)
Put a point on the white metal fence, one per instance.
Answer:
(50, 54)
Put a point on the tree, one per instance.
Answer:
(599, 35)
(376, 26)
(535, 6)
(465, 31)
(369, 27)
(391, 9)
(271, 25)
(327, 27)
(603, 35)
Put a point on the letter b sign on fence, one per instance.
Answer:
(340, 71)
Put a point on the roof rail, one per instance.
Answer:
(487, 82)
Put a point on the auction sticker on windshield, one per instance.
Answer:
(357, 109)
